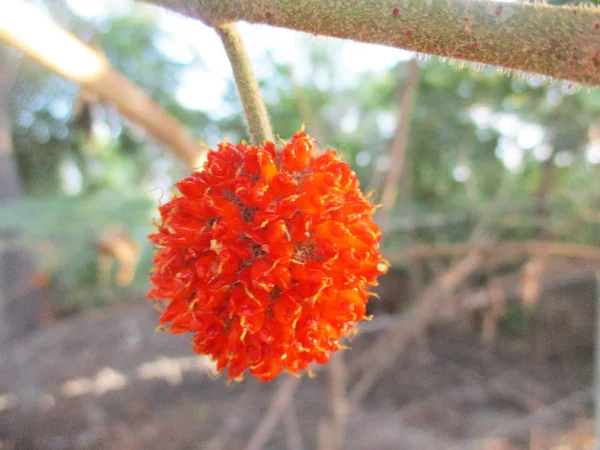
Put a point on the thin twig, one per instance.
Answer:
(395, 173)
(475, 300)
(313, 124)
(504, 249)
(408, 324)
(388, 347)
(285, 391)
(334, 429)
(292, 429)
(222, 437)
(399, 175)
(255, 111)
(394, 176)
(521, 425)
(426, 307)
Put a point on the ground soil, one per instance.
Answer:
(105, 380)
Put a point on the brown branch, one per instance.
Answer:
(521, 425)
(506, 250)
(408, 223)
(307, 113)
(478, 299)
(36, 35)
(285, 391)
(425, 308)
(223, 436)
(292, 429)
(559, 41)
(400, 330)
(482, 298)
(389, 195)
(333, 430)
(385, 350)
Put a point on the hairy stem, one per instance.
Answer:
(255, 111)
(559, 41)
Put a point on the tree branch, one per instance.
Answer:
(559, 41)
(398, 155)
(255, 111)
(332, 430)
(284, 393)
(544, 249)
(427, 308)
(291, 426)
(36, 35)
(522, 424)
(386, 349)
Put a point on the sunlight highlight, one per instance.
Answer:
(106, 380)
(25, 27)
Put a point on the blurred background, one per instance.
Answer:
(490, 205)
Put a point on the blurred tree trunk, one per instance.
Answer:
(398, 186)
(10, 188)
(533, 270)
(18, 301)
(397, 171)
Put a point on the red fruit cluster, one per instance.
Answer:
(266, 257)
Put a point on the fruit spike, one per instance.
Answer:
(266, 257)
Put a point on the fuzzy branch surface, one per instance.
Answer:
(558, 41)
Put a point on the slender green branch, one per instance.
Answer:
(559, 41)
(255, 111)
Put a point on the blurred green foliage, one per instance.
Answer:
(83, 167)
